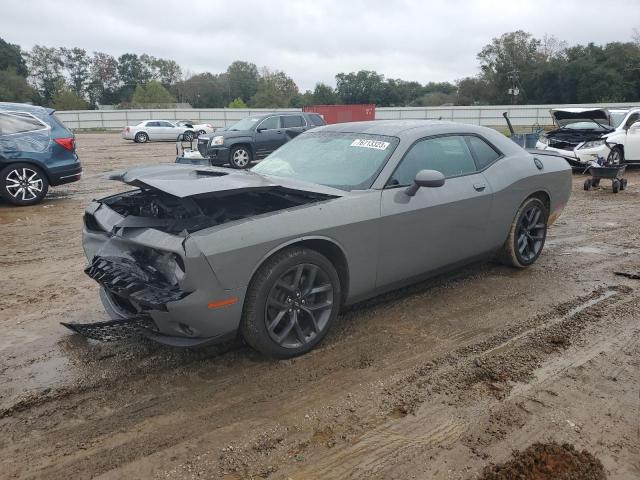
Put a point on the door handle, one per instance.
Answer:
(479, 187)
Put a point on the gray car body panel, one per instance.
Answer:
(387, 237)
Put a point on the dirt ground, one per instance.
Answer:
(443, 380)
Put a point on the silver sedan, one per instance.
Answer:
(157, 130)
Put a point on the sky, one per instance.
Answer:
(313, 40)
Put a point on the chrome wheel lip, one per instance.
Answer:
(24, 184)
(241, 158)
(299, 306)
(531, 234)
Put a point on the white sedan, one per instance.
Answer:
(199, 128)
(157, 130)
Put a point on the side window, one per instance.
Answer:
(153, 124)
(449, 155)
(18, 123)
(484, 153)
(633, 118)
(165, 124)
(270, 123)
(317, 120)
(290, 121)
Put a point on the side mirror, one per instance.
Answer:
(425, 178)
(635, 126)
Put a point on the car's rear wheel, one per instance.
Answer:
(240, 157)
(202, 132)
(141, 137)
(527, 234)
(616, 156)
(23, 184)
(291, 303)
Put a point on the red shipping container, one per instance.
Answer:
(343, 113)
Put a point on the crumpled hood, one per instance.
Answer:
(565, 116)
(190, 180)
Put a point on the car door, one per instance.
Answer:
(269, 136)
(632, 142)
(438, 226)
(169, 131)
(293, 126)
(154, 130)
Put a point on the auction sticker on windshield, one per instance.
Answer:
(377, 144)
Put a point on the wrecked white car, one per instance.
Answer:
(585, 134)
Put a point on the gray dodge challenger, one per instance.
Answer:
(197, 255)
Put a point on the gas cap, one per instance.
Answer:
(538, 163)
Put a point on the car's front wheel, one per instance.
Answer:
(616, 156)
(23, 184)
(240, 157)
(188, 136)
(291, 302)
(527, 234)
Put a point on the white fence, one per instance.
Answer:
(522, 116)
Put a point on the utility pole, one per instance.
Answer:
(514, 78)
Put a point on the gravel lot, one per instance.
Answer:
(438, 381)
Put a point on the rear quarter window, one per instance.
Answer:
(317, 120)
(18, 122)
(484, 153)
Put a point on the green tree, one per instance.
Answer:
(132, 72)
(237, 103)
(151, 94)
(45, 70)
(14, 87)
(104, 80)
(11, 58)
(78, 65)
(275, 90)
(362, 87)
(67, 99)
(205, 90)
(323, 94)
(241, 80)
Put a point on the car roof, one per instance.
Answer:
(401, 128)
(25, 107)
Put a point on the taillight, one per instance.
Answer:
(67, 143)
(127, 129)
(209, 125)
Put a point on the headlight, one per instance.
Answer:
(543, 139)
(591, 144)
(219, 140)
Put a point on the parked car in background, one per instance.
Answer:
(36, 151)
(339, 214)
(254, 137)
(199, 128)
(157, 130)
(586, 134)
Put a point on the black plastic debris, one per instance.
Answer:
(112, 329)
(633, 275)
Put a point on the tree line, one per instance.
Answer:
(513, 68)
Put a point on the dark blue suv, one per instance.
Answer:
(36, 151)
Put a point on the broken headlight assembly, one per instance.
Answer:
(168, 264)
(542, 138)
(591, 144)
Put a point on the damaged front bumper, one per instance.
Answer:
(578, 157)
(145, 273)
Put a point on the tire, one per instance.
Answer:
(615, 186)
(587, 184)
(23, 184)
(527, 235)
(141, 137)
(623, 184)
(616, 156)
(277, 318)
(240, 157)
(188, 136)
(595, 182)
(202, 132)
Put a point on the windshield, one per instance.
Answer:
(348, 161)
(245, 124)
(617, 118)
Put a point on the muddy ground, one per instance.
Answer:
(443, 380)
